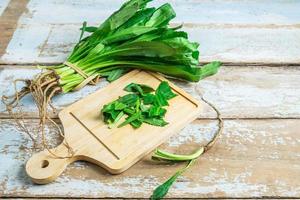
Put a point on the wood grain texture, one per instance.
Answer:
(256, 157)
(10, 12)
(3, 5)
(115, 149)
(238, 92)
(230, 31)
(252, 158)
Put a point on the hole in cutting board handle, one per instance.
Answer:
(45, 163)
(43, 167)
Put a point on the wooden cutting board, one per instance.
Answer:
(114, 149)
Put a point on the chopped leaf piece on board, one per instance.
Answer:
(155, 121)
(156, 111)
(130, 119)
(142, 104)
(149, 99)
(129, 99)
(139, 88)
(165, 90)
(136, 123)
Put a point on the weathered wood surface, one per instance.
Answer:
(3, 4)
(230, 31)
(253, 158)
(256, 157)
(239, 92)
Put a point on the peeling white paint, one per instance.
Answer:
(239, 90)
(232, 189)
(244, 12)
(236, 91)
(228, 31)
(3, 5)
(220, 176)
(194, 133)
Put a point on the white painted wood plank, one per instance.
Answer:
(53, 43)
(253, 158)
(239, 92)
(203, 12)
(230, 31)
(3, 5)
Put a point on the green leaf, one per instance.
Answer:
(170, 33)
(111, 116)
(163, 155)
(139, 19)
(182, 44)
(210, 69)
(96, 50)
(89, 29)
(116, 120)
(161, 191)
(160, 100)
(127, 34)
(114, 74)
(144, 48)
(138, 88)
(129, 111)
(119, 105)
(130, 119)
(155, 121)
(156, 111)
(118, 18)
(161, 16)
(129, 99)
(165, 90)
(136, 123)
(149, 99)
(82, 30)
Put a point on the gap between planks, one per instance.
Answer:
(230, 64)
(199, 118)
(229, 75)
(9, 20)
(116, 198)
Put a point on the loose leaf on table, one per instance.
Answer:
(161, 191)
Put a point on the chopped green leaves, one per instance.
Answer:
(140, 106)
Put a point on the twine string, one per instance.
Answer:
(93, 79)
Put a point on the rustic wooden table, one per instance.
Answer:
(257, 92)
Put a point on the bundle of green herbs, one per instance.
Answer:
(135, 36)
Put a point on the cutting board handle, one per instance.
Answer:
(44, 168)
